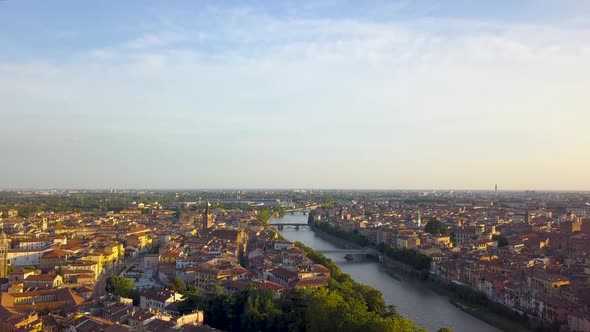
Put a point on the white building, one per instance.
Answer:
(25, 257)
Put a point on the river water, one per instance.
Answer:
(412, 299)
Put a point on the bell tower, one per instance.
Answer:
(3, 254)
(207, 217)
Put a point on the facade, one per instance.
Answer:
(3, 254)
(43, 281)
(207, 218)
(139, 241)
(158, 299)
(25, 257)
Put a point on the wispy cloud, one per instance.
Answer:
(151, 40)
(468, 95)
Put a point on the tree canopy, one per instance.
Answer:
(351, 236)
(435, 227)
(408, 256)
(120, 286)
(344, 305)
(176, 285)
(502, 241)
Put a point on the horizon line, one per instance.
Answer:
(137, 189)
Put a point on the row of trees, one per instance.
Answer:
(407, 256)
(351, 236)
(472, 296)
(263, 216)
(410, 257)
(318, 310)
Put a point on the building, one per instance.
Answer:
(11, 320)
(158, 299)
(207, 217)
(25, 257)
(48, 299)
(408, 241)
(51, 259)
(3, 254)
(546, 282)
(43, 281)
(139, 241)
(33, 244)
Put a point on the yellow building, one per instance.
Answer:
(85, 231)
(22, 322)
(113, 251)
(90, 262)
(108, 257)
(139, 241)
(170, 257)
(549, 283)
(405, 241)
(443, 241)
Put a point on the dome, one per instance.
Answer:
(3, 235)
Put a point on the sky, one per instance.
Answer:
(452, 94)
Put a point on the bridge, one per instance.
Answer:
(304, 210)
(300, 210)
(290, 224)
(296, 225)
(367, 251)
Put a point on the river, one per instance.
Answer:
(411, 298)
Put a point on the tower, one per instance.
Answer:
(3, 254)
(207, 217)
(419, 219)
(496, 190)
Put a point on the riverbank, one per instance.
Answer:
(482, 313)
(400, 271)
(334, 239)
(366, 296)
(410, 298)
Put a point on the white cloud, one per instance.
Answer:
(392, 99)
(152, 40)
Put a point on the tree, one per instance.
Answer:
(264, 216)
(192, 300)
(373, 298)
(120, 286)
(259, 312)
(60, 271)
(408, 256)
(502, 241)
(444, 329)
(434, 227)
(176, 285)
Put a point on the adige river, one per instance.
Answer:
(413, 299)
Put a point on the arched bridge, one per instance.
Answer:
(304, 210)
(290, 224)
(367, 251)
(301, 210)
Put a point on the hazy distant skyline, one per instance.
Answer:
(305, 94)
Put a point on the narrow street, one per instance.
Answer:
(99, 285)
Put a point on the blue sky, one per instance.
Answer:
(318, 94)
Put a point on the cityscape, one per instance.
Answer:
(286, 166)
(240, 260)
